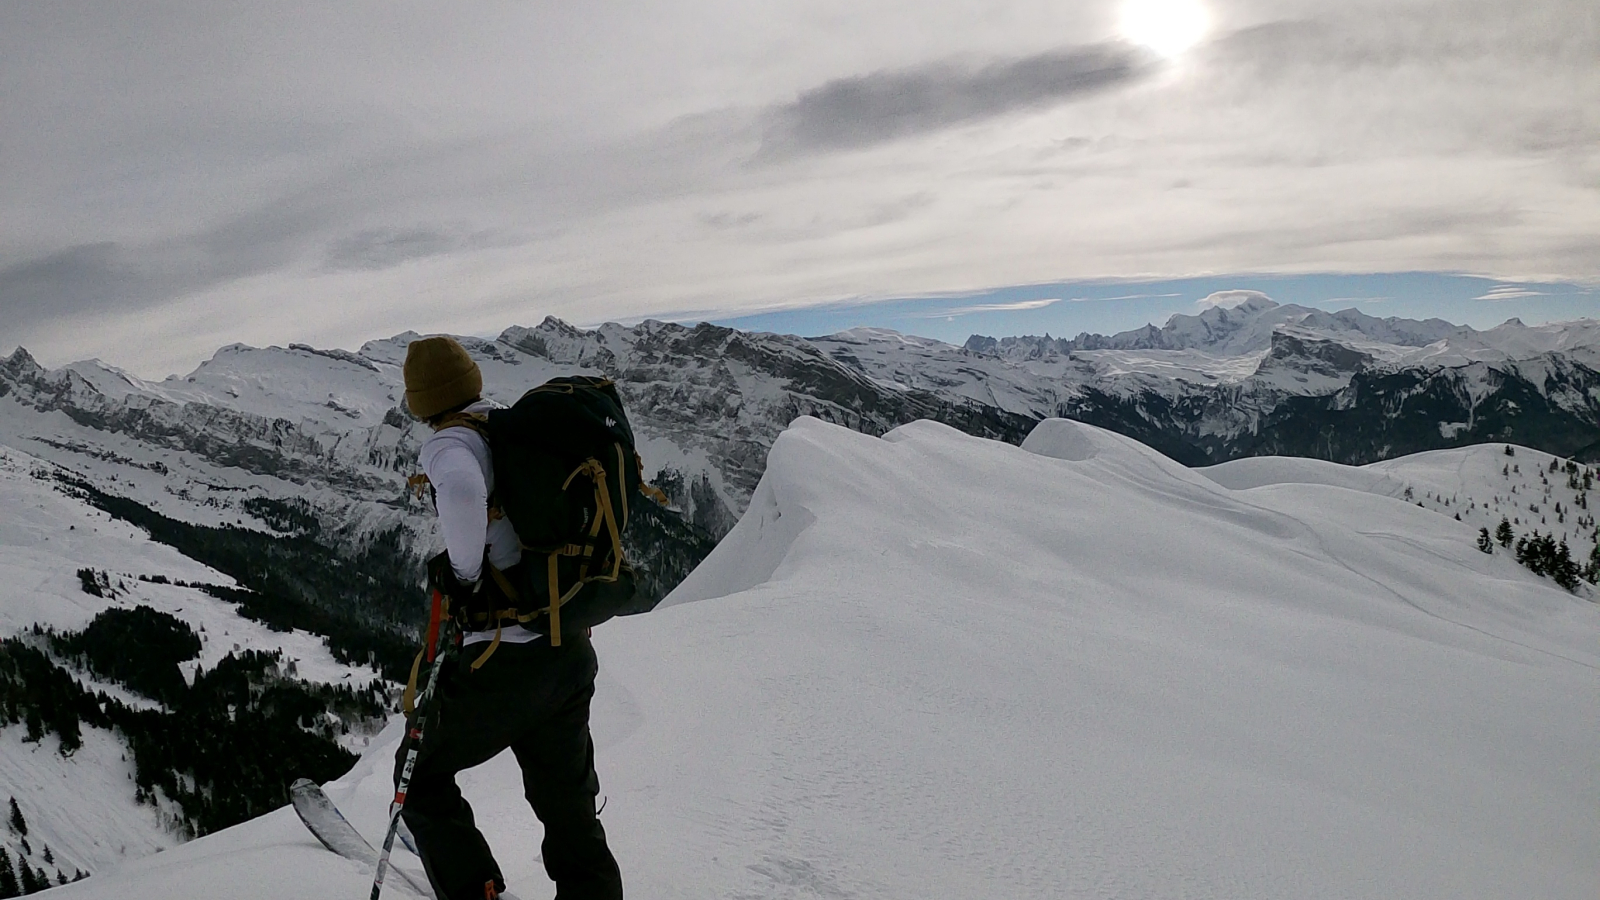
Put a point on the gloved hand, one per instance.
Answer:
(442, 578)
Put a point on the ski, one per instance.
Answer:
(330, 827)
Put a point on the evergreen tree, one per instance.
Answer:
(1503, 533)
(1485, 543)
(61, 877)
(8, 876)
(18, 823)
(30, 885)
(1562, 568)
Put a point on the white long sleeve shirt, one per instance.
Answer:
(459, 467)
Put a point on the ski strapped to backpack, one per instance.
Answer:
(564, 467)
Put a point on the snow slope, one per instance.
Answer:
(930, 665)
(83, 807)
(1479, 485)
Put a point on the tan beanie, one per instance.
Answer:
(439, 376)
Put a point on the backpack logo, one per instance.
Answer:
(610, 422)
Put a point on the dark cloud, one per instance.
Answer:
(109, 276)
(68, 281)
(882, 106)
(384, 248)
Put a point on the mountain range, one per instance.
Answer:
(264, 495)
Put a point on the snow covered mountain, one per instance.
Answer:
(1247, 326)
(931, 665)
(1261, 378)
(86, 789)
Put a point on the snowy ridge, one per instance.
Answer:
(934, 665)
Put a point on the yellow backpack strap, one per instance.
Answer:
(493, 646)
(602, 499)
(645, 488)
(504, 583)
(476, 421)
(408, 700)
(555, 602)
(622, 482)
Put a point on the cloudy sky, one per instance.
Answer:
(178, 175)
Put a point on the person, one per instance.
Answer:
(527, 695)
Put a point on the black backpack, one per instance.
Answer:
(565, 473)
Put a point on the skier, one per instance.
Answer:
(527, 695)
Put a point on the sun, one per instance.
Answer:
(1168, 27)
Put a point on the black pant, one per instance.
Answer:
(533, 698)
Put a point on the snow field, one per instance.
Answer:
(83, 807)
(46, 537)
(932, 666)
(1480, 484)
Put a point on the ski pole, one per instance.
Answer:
(438, 648)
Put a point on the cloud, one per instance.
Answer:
(1230, 299)
(1508, 292)
(92, 278)
(1121, 297)
(882, 106)
(384, 248)
(998, 307)
(116, 276)
(659, 157)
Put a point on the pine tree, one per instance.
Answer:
(8, 876)
(1565, 572)
(30, 885)
(18, 823)
(1503, 533)
(1485, 543)
(61, 878)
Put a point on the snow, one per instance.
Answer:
(82, 807)
(935, 666)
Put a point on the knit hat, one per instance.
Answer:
(439, 376)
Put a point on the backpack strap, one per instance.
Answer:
(476, 421)
(645, 487)
(439, 611)
(605, 520)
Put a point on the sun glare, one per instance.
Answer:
(1168, 27)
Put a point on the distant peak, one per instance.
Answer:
(1249, 301)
